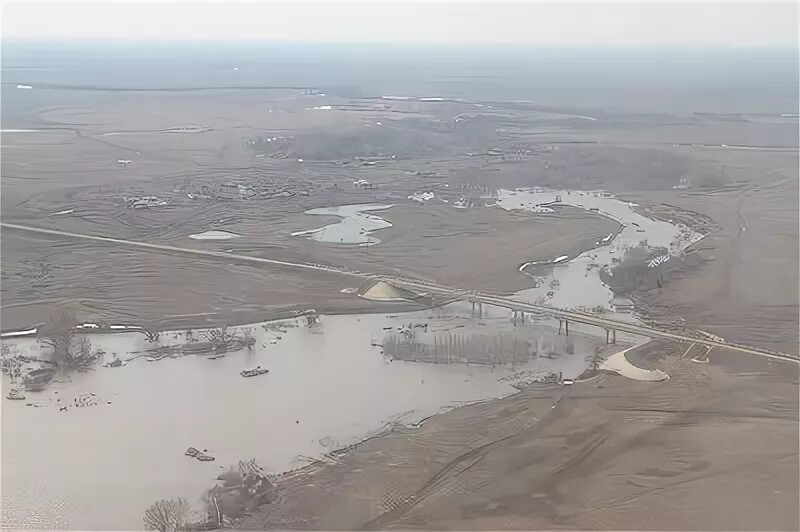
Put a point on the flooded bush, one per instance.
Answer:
(222, 341)
(460, 348)
(240, 490)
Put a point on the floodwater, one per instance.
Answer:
(355, 226)
(99, 467)
(576, 283)
(214, 235)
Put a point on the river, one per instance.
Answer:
(574, 282)
(99, 467)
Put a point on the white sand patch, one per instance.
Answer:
(619, 364)
(214, 235)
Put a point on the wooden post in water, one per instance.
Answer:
(566, 327)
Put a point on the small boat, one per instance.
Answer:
(253, 372)
(191, 451)
(214, 357)
(15, 394)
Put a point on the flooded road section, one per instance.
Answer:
(98, 466)
(574, 282)
(355, 226)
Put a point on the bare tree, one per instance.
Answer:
(248, 337)
(68, 350)
(166, 515)
(58, 335)
(10, 362)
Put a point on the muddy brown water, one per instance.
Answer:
(99, 467)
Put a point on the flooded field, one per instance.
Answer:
(355, 226)
(142, 416)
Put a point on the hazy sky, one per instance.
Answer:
(675, 22)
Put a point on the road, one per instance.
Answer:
(419, 284)
(583, 317)
(189, 251)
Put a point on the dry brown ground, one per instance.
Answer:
(610, 453)
(741, 282)
(73, 166)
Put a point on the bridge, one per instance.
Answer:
(449, 293)
(564, 316)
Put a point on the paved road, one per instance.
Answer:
(175, 249)
(429, 286)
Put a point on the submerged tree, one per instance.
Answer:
(10, 362)
(68, 349)
(247, 336)
(166, 515)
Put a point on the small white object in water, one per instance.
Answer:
(236, 68)
(299, 160)
(559, 259)
(24, 87)
(62, 213)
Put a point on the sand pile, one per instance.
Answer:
(383, 291)
(618, 363)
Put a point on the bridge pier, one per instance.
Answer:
(477, 306)
(566, 327)
(611, 336)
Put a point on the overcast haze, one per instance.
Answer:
(676, 23)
